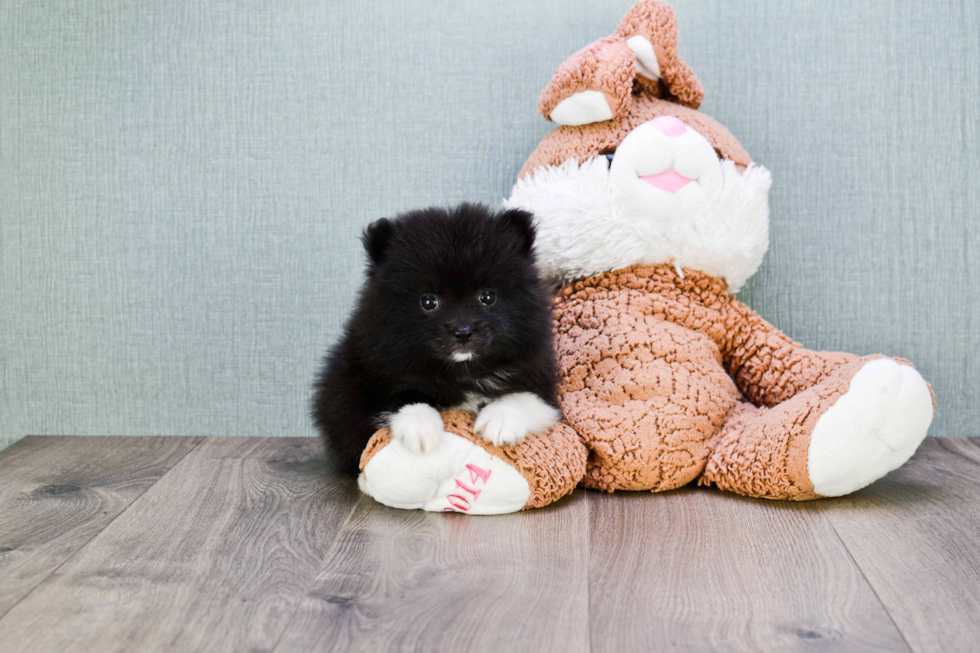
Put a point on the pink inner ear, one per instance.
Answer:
(669, 181)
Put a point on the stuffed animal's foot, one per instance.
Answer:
(465, 473)
(871, 429)
(457, 476)
(833, 438)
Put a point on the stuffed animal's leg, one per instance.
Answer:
(467, 474)
(842, 434)
(767, 366)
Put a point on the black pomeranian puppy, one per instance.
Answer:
(452, 314)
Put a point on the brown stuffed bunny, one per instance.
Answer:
(651, 214)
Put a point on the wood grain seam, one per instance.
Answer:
(868, 581)
(316, 574)
(943, 442)
(588, 562)
(44, 579)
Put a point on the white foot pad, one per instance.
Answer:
(458, 476)
(872, 429)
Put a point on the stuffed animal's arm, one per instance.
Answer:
(767, 366)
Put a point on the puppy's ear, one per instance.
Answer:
(376, 238)
(521, 223)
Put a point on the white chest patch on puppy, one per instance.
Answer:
(508, 420)
(494, 382)
(418, 427)
(473, 403)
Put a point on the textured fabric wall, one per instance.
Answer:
(182, 184)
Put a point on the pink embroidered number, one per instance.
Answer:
(478, 473)
(475, 493)
(465, 503)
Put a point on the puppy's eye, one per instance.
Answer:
(429, 303)
(488, 297)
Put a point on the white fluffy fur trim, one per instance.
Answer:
(582, 231)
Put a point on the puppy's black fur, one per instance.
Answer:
(395, 352)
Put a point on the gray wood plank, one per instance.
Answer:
(57, 493)
(214, 557)
(916, 536)
(701, 570)
(416, 581)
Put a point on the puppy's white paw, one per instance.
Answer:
(418, 427)
(509, 419)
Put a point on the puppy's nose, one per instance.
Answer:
(669, 126)
(463, 333)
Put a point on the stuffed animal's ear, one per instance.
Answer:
(376, 238)
(521, 223)
(593, 85)
(650, 30)
(596, 83)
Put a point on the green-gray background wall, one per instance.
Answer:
(182, 183)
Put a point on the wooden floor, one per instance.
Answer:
(247, 544)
